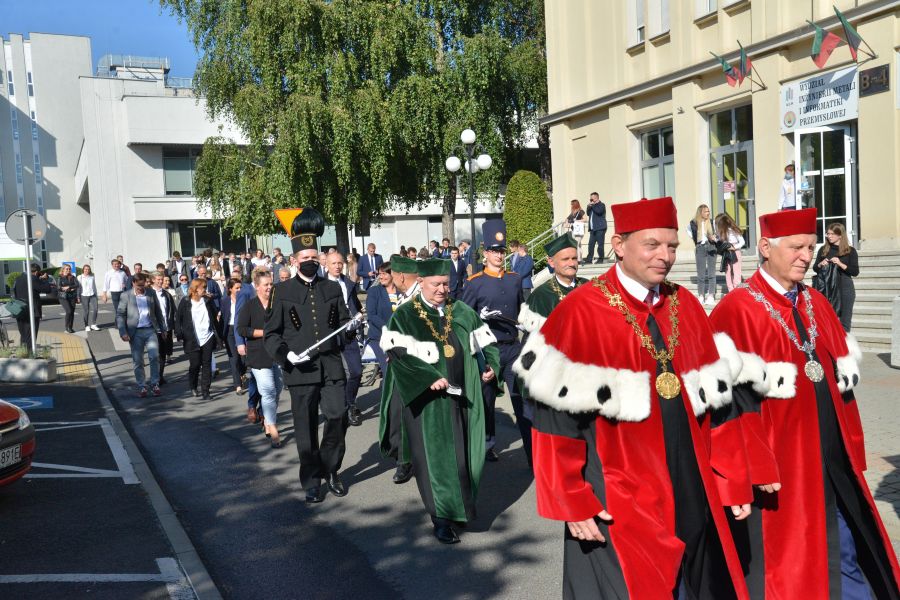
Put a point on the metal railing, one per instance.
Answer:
(537, 244)
(179, 82)
(109, 61)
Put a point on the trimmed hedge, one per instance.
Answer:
(528, 210)
(11, 280)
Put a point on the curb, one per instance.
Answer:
(198, 577)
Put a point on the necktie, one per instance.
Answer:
(651, 296)
(792, 296)
(372, 262)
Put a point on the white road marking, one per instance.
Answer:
(119, 453)
(125, 468)
(170, 573)
(117, 341)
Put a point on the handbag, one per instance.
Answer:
(578, 228)
(722, 246)
(16, 307)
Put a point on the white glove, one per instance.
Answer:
(297, 358)
(354, 324)
(485, 313)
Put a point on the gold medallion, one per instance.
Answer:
(449, 352)
(667, 385)
(814, 371)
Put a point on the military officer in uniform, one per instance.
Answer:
(306, 309)
(496, 295)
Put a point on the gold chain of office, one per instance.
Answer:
(449, 351)
(667, 384)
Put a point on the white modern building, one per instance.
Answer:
(107, 156)
(41, 136)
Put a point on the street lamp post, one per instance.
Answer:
(473, 164)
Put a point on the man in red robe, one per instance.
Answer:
(634, 444)
(815, 531)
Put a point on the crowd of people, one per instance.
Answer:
(689, 455)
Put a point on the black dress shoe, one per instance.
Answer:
(491, 455)
(315, 494)
(336, 485)
(403, 473)
(354, 415)
(206, 396)
(445, 534)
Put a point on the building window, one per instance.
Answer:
(731, 166)
(10, 87)
(705, 7)
(30, 85)
(658, 17)
(639, 21)
(658, 163)
(178, 170)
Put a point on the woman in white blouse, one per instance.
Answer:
(87, 288)
(731, 233)
(197, 328)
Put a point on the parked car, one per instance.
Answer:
(53, 295)
(16, 443)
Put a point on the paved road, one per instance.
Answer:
(242, 506)
(81, 522)
(241, 503)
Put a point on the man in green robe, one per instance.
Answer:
(439, 352)
(562, 256)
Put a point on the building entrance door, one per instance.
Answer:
(734, 182)
(825, 157)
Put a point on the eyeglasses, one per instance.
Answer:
(183, 280)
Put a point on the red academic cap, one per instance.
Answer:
(645, 214)
(788, 222)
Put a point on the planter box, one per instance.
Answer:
(28, 370)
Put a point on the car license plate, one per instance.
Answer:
(10, 456)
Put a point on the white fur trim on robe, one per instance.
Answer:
(709, 386)
(531, 320)
(425, 351)
(555, 380)
(848, 366)
(481, 337)
(745, 367)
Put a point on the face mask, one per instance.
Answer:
(184, 287)
(788, 175)
(309, 268)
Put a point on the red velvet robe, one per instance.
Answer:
(783, 438)
(587, 359)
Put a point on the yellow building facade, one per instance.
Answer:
(639, 108)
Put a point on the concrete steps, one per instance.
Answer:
(877, 285)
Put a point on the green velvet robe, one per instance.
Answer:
(447, 445)
(541, 303)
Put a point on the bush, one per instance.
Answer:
(528, 210)
(11, 279)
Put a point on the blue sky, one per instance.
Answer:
(115, 27)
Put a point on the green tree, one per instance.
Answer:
(528, 209)
(352, 106)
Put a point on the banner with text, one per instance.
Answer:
(822, 99)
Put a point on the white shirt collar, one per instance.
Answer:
(305, 278)
(635, 289)
(439, 309)
(565, 285)
(774, 284)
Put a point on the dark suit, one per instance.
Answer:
(20, 291)
(167, 308)
(199, 356)
(597, 227)
(365, 266)
(212, 288)
(303, 313)
(457, 278)
(378, 312)
(350, 348)
(524, 265)
(235, 361)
